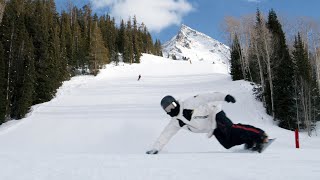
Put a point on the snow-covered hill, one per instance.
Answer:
(195, 46)
(100, 128)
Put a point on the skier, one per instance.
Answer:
(139, 77)
(203, 114)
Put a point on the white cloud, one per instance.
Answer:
(156, 14)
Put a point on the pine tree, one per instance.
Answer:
(65, 45)
(261, 48)
(79, 41)
(253, 65)
(109, 34)
(128, 48)
(98, 55)
(149, 42)
(86, 23)
(283, 69)
(54, 60)
(158, 48)
(304, 85)
(11, 25)
(136, 43)
(112, 39)
(2, 7)
(40, 35)
(121, 37)
(147, 45)
(2, 86)
(25, 85)
(315, 98)
(3, 100)
(300, 56)
(236, 70)
(255, 56)
(66, 38)
(17, 45)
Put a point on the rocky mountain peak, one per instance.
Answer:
(190, 44)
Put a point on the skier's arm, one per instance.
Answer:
(169, 131)
(215, 96)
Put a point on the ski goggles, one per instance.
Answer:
(170, 107)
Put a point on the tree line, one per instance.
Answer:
(283, 65)
(40, 48)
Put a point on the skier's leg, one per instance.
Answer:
(222, 138)
(230, 134)
(222, 132)
(250, 135)
(223, 122)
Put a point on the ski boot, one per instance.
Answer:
(259, 145)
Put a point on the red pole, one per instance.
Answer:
(297, 138)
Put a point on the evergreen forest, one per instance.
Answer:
(283, 66)
(40, 48)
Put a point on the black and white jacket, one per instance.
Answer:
(197, 114)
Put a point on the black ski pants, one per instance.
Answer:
(229, 134)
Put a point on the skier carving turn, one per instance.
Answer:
(203, 114)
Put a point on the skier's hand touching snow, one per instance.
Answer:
(153, 151)
(230, 98)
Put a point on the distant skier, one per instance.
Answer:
(203, 114)
(139, 77)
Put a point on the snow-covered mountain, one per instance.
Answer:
(196, 46)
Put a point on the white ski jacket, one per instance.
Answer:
(204, 108)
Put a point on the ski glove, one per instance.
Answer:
(153, 151)
(230, 98)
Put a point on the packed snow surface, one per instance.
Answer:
(99, 128)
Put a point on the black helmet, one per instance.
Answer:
(170, 105)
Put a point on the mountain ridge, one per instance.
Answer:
(190, 44)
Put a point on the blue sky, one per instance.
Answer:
(164, 17)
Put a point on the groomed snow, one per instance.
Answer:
(99, 128)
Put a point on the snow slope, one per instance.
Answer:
(99, 128)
